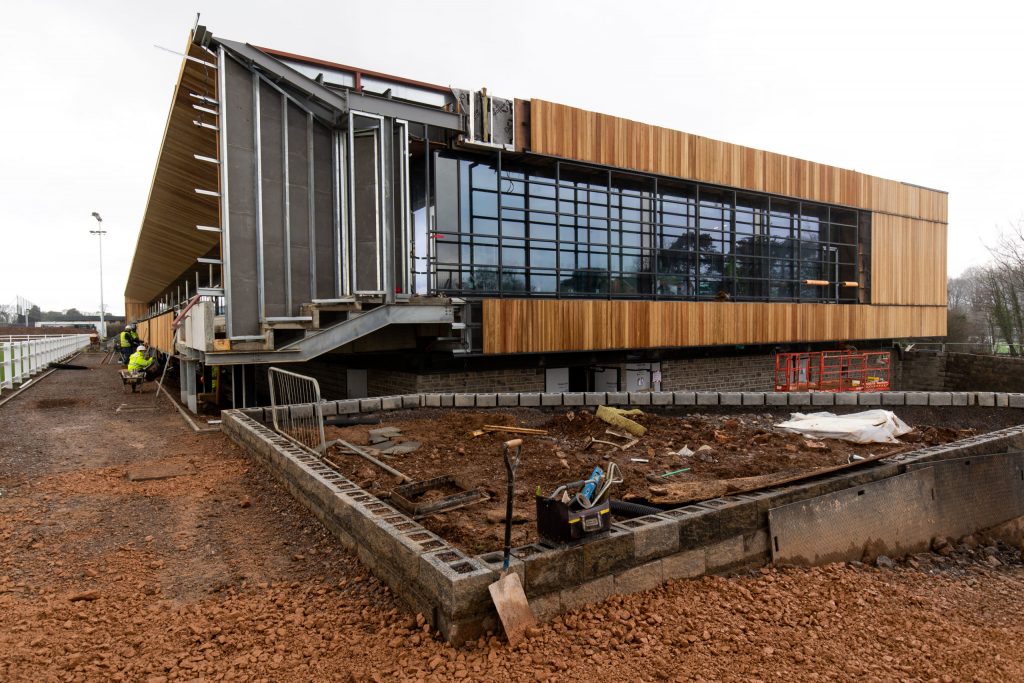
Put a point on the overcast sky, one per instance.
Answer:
(928, 93)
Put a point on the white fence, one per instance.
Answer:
(22, 357)
(297, 409)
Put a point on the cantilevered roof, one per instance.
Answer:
(169, 242)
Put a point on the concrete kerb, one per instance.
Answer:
(450, 587)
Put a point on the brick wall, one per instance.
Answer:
(724, 373)
(331, 377)
(486, 381)
(960, 372)
(390, 383)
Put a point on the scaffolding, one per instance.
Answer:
(832, 371)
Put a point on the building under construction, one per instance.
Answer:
(394, 236)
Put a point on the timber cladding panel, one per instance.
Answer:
(156, 332)
(571, 133)
(541, 326)
(908, 261)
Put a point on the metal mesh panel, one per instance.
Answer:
(297, 410)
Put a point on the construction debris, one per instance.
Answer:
(869, 426)
(486, 429)
(617, 417)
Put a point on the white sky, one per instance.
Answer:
(925, 92)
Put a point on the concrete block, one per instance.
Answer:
(893, 398)
(1002, 400)
(348, 407)
(846, 398)
(547, 570)
(755, 546)
(643, 578)
(529, 399)
(639, 398)
(447, 400)
(653, 536)
(432, 400)
(724, 555)
(915, 398)
(961, 398)
(369, 405)
(390, 402)
(707, 398)
(486, 400)
(329, 408)
(735, 513)
(940, 398)
(412, 400)
(799, 398)
(685, 565)
(587, 593)
(753, 398)
(617, 398)
(661, 398)
(508, 400)
(871, 398)
(1016, 400)
(572, 399)
(697, 525)
(465, 400)
(985, 398)
(551, 399)
(823, 398)
(546, 607)
(595, 398)
(730, 398)
(607, 554)
(684, 398)
(776, 399)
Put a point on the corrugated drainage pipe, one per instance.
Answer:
(621, 508)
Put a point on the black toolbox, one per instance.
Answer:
(568, 523)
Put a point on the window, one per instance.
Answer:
(569, 230)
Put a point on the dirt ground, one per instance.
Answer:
(731, 453)
(218, 575)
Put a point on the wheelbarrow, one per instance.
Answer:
(134, 379)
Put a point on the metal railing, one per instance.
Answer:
(21, 357)
(297, 409)
(978, 348)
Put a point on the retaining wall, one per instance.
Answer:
(450, 588)
(960, 372)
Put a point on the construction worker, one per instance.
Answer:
(127, 340)
(140, 362)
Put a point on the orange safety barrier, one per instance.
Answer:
(832, 371)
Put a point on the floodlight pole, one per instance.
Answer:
(101, 232)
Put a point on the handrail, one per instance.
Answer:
(20, 359)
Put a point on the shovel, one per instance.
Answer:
(507, 592)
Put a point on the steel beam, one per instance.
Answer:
(364, 102)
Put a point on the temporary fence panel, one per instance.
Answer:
(22, 357)
(296, 408)
(832, 371)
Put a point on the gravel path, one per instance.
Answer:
(218, 575)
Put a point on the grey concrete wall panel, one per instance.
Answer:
(299, 233)
(272, 196)
(323, 212)
(977, 493)
(892, 517)
(241, 238)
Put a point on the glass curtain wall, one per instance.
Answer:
(564, 230)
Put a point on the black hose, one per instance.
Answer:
(621, 508)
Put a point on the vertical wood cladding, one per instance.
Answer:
(157, 333)
(571, 133)
(908, 261)
(540, 326)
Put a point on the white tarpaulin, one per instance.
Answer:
(870, 426)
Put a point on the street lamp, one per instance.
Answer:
(101, 232)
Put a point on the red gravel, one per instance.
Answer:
(219, 575)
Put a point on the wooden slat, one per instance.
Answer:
(572, 133)
(156, 331)
(540, 326)
(908, 261)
